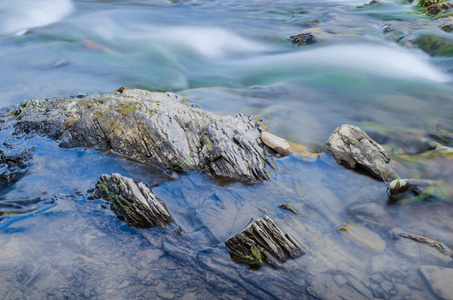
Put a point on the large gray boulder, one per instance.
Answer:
(352, 147)
(162, 129)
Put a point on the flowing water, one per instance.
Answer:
(229, 57)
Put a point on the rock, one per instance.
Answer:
(397, 233)
(372, 213)
(291, 208)
(439, 280)
(435, 45)
(263, 242)
(417, 190)
(363, 237)
(285, 147)
(446, 24)
(429, 2)
(438, 7)
(162, 129)
(350, 146)
(133, 202)
(14, 164)
(303, 39)
(276, 143)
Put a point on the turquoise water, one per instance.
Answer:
(228, 57)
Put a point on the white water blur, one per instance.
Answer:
(374, 60)
(17, 16)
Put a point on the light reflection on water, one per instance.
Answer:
(229, 57)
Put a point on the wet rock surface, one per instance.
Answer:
(157, 128)
(439, 280)
(133, 202)
(14, 163)
(263, 242)
(352, 147)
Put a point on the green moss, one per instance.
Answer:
(11, 112)
(127, 108)
(435, 46)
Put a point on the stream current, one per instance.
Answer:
(229, 57)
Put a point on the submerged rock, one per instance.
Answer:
(439, 280)
(303, 39)
(134, 202)
(363, 237)
(397, 233)
(162, 129)
(263, 242)
(350, 146)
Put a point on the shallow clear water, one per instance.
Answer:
(228, 57)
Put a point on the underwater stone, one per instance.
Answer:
(263, 242)
(439, 280)
(134, 202)
(14, 163)
(350, 146)
(362, 236)
(397, 233)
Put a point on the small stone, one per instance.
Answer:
(439, 280)
(87, 293)
(340, 280)
(303, 39)
(276, 143)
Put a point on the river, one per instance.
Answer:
(230, 57)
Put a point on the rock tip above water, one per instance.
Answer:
(262, 242)
(351, 146)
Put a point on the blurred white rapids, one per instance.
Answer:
(356, 59)
(17, 16)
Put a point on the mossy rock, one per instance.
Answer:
(435, 46)
(426, 3)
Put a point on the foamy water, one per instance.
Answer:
(17, 16)
(375, 60)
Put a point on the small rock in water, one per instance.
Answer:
(303, 39)
(439, 280)
(362, 236)
(397, 233)
(417, 189)
(136, 203)
(263, 242)
(350, 146)
(276, 143)
(429, 2)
